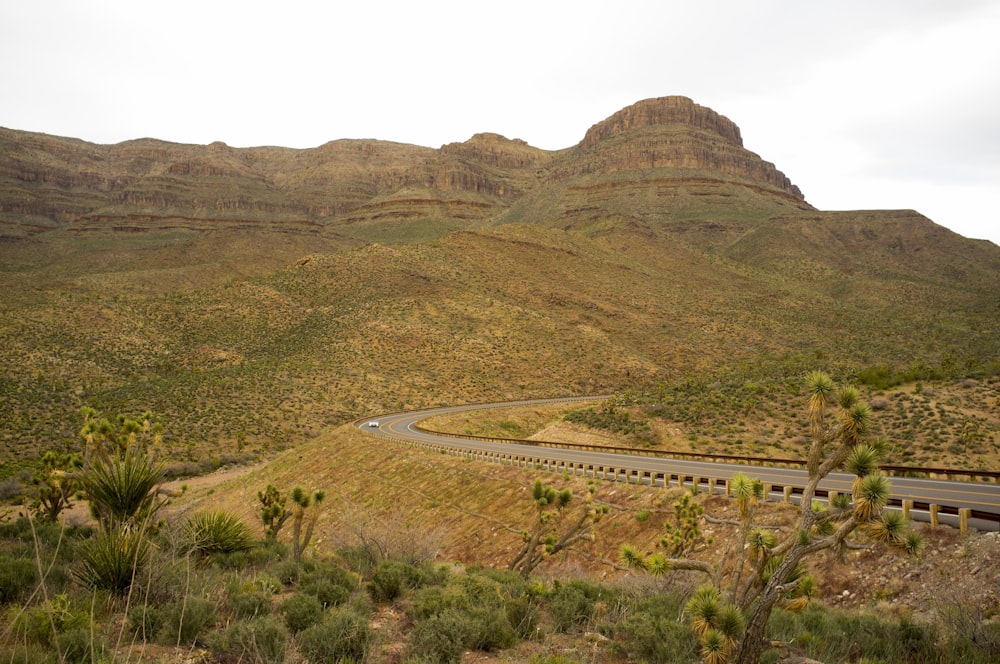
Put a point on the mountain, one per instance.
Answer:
(685, 150)
(252, 297)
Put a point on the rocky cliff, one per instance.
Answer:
(48, 182)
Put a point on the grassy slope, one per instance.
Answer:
(269, 350)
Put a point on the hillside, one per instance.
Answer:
(254, 298)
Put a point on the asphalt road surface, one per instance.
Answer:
(981, 497)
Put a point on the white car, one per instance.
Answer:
(373, 423)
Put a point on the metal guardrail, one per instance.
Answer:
(896, 471)
(933, 513)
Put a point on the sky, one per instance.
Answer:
(864, 104)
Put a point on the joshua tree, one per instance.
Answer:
(103, 440)
(302, 502)
(272, 511)
(766, 569)
(551, 516)
(55, 482)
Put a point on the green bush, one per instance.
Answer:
(17, 577)
(442, 638)
(655, 632)
(301, 611)
(332, 572)
(391, 579)
(328, 593)
(262, 640)
(343, 635)
(287, 572)
(185, 620)
(831, 635)
(80, 646)
(489, 610)
(29, 653)
(145, 621)
(572, 604)
(266, 552)
(42, 623)
(249, 603)
(216, 532)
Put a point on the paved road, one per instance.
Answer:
(982, 498)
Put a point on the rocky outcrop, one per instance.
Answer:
(47, 181)
(661, 111)
(673, 133)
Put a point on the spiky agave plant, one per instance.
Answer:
(217, 532)
(111, 560)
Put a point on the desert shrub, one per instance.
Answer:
(287, 572)
(42, 623)
(391, 579)
(572, 604)
(214, 532)
(343, 635)
(830, 635)
(357, 558)
(145, 621)
(249, 602)
(654, 632)
(328, 593)
(29, 653)
(262, 640)
(442, 638)
(267, 583)
(17, 577)
(523, 612)
(301, 611)
(266, 552)
(111, 560)
(166, 577)
(610, 419)
(184, 620)
(480, 607)
(51, 536)
(330, 571)
(80, 646)
(10, 488)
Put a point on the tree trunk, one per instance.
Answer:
(752, 646)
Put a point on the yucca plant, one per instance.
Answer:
(111, 560)
(719, 625)
(759, 540)
(872, 497)
(123, 490)
(704, 608)
(217, 532)
(715, 648)
(862, 462)
(746, 490)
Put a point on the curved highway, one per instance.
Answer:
(982, 498)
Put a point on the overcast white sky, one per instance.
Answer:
(862, 103)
